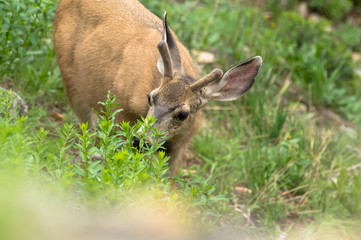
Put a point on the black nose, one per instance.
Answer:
(136, 142)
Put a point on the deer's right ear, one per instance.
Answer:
(235, 82)
(160, 65)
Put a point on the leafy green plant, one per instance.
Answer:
(14, 144)
(334, 9)
(276, 6)
(350, 35)
(23, 29)
(121, 170)
(320, 64)
(357, 3)
(124, 168)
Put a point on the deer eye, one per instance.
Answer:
(149, 100)
(182, 116)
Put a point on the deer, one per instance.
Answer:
(122, 47)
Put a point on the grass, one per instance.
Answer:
(271, 162)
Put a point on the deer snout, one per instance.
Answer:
(147, 143)
(136, 142)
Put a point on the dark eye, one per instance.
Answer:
(149, 102)
(182, 116)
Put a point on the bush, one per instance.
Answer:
(334, 9)
(24, 27)
(320, 61)
(123, 173)
(357, 3)
(350, 35)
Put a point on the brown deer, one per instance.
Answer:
(120, 46)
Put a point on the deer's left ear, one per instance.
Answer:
(235, 82)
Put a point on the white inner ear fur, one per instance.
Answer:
(160, 65)
(213, 88)
(235, 82)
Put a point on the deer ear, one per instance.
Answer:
(170, 54)
(235, 82)
(160, 65)
(164, 63)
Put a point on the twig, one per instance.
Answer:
(349, 169)
(282, 236)
(241, 209)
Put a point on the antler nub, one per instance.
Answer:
(165, 55)
(212, 76)
(165, 27)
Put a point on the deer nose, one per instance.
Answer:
(146, 144)
(136, 142)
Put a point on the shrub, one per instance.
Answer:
(357, 3)
(350, 35)
(24, 27)
(123, 173)
(318, 59)
(334, 9)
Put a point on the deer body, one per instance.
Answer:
(120, 46)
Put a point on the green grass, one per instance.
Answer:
(274, 143)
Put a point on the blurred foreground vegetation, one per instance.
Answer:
(282, 160)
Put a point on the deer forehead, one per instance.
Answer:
(172, 94)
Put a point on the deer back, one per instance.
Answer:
(111, 45)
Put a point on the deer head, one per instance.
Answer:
(176, 102)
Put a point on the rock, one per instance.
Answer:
(358, 72)
(18, 105)
(204, 57)
(242, 190)
(329, 29)
(302, 9)
(356, 56)
(314, 17)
